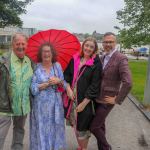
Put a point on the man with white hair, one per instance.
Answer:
(15, 77)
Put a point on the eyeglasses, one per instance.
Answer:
(108, 42)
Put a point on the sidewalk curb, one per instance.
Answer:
(139, 106)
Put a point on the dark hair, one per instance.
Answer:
(92, 40)
(108, 34)
(53, 51)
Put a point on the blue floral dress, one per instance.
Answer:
(47, 129)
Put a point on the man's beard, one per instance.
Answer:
(20, 49)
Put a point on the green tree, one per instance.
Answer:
(10, 11)
(136, 31)
(86, 35)
(135, 17)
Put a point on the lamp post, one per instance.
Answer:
(146, 101)
(120, 47)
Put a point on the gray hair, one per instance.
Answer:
(16, 35)
(108, 34)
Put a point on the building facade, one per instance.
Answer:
(6, 33)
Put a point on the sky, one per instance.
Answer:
(78, 16)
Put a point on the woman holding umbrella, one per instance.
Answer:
(83, 75)
(47, 129)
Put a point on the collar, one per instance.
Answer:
(14, 58)
(5, 59)
(111, 53)
(90, 62)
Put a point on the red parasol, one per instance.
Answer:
(65, 43)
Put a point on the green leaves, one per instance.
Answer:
(136, 20)
(10, 11)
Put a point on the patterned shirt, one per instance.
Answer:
(20, 73)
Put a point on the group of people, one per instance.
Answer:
(93, 85)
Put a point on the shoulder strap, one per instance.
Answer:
(55, 66)
(78, 76)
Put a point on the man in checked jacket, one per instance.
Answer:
(116, 84)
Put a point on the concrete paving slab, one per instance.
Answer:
(127, 129)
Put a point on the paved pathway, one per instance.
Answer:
(127, 129)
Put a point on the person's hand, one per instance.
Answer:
(82, 105)
(70, 93)
(110, 100)
(43, 85)
(54, 81)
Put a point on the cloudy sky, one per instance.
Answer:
(81, 16)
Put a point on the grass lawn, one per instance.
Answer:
(1, 51)
(139, 72)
